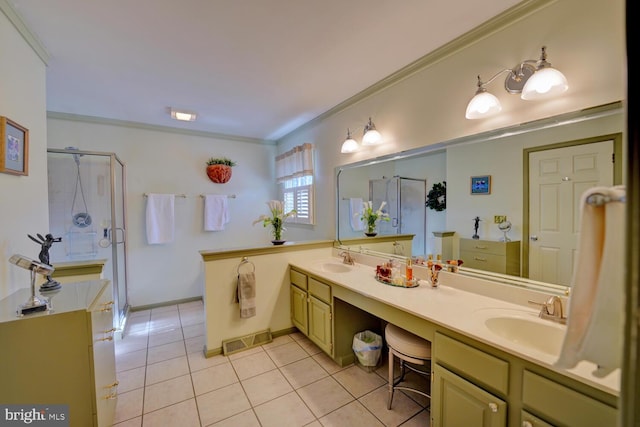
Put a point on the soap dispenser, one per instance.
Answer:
(409, 270)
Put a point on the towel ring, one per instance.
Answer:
(244, 261)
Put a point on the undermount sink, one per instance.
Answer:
(528, 330)
(334, 267)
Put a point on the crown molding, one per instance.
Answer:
(158, 128)
(32, 40)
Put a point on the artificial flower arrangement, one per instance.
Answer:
(371, 217)
(276, 220)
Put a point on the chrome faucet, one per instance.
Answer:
(347, 258)
(551, 309)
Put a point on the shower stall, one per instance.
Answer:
(87, 209)
(405, 198)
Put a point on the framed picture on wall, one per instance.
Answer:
(481, 184)
(14, 147)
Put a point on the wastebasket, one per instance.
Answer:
(367, 347)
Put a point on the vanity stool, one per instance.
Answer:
(410, 349)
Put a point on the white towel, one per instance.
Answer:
(216, 212)
(595, 317)
(355, 213)
(160, 218)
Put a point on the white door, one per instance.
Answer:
(557, 179)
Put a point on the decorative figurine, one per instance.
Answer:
(476, 224)
(45, 244)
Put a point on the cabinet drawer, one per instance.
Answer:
(483, 246)
(472, 363)
(320, 290)
(561, 405)
(298, 279)
(484, 261)
(529, 420)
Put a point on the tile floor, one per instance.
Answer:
(165, 380)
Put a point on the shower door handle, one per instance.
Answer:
(121, 235)
(111, 235)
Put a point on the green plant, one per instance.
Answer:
(221, 161)
(276, 220)
(371, 217)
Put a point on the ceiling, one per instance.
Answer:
(249, 68)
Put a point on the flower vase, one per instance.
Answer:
(371, 231)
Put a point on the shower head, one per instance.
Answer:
(76, 156)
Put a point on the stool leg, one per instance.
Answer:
(390, 379)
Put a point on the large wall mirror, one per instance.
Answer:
(532, 175)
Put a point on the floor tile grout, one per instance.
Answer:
(266, 350)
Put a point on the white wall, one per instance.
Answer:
(164, 162)
(23, 199)
(585, 40)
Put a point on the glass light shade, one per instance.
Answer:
(483, 105)
(544, 83)
(372, 137)
(349, 145)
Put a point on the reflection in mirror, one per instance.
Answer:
(510, 159)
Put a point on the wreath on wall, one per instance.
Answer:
(437, 197)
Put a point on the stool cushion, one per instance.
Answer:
(407, 343)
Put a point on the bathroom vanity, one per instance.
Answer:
(475, 373)
(64, 356)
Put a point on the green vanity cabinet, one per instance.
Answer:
(65, 356)
(530, 420)
(469, 385)
(299, 304)
(311, 310)
(458, 402)
(562, 406)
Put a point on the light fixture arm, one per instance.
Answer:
(482, 84)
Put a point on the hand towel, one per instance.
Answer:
(246, 293)
(355, 212)
(596, 306)
(160, 218)
(216, 212)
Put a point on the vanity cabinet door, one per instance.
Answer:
(529, 420)
(457, 402)
(103, 355)
(320, 324)
(299, 309)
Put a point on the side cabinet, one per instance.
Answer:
(65, 356)
(311, 310)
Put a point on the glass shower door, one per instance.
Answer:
(87, 209)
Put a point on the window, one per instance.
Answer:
(295, 177)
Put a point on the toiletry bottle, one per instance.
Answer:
(409, 270)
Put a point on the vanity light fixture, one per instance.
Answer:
(371, 135)
(533, 82)
(185, 116)
(349, 145)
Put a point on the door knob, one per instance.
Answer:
(534, 238)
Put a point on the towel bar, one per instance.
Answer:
(599, 199)
(244, 261)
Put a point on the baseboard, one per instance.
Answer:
(165, 304)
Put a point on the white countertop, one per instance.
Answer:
(458, 310)
(70, 297)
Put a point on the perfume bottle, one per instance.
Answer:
(409, 270)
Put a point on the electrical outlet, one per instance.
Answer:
(499, 218)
